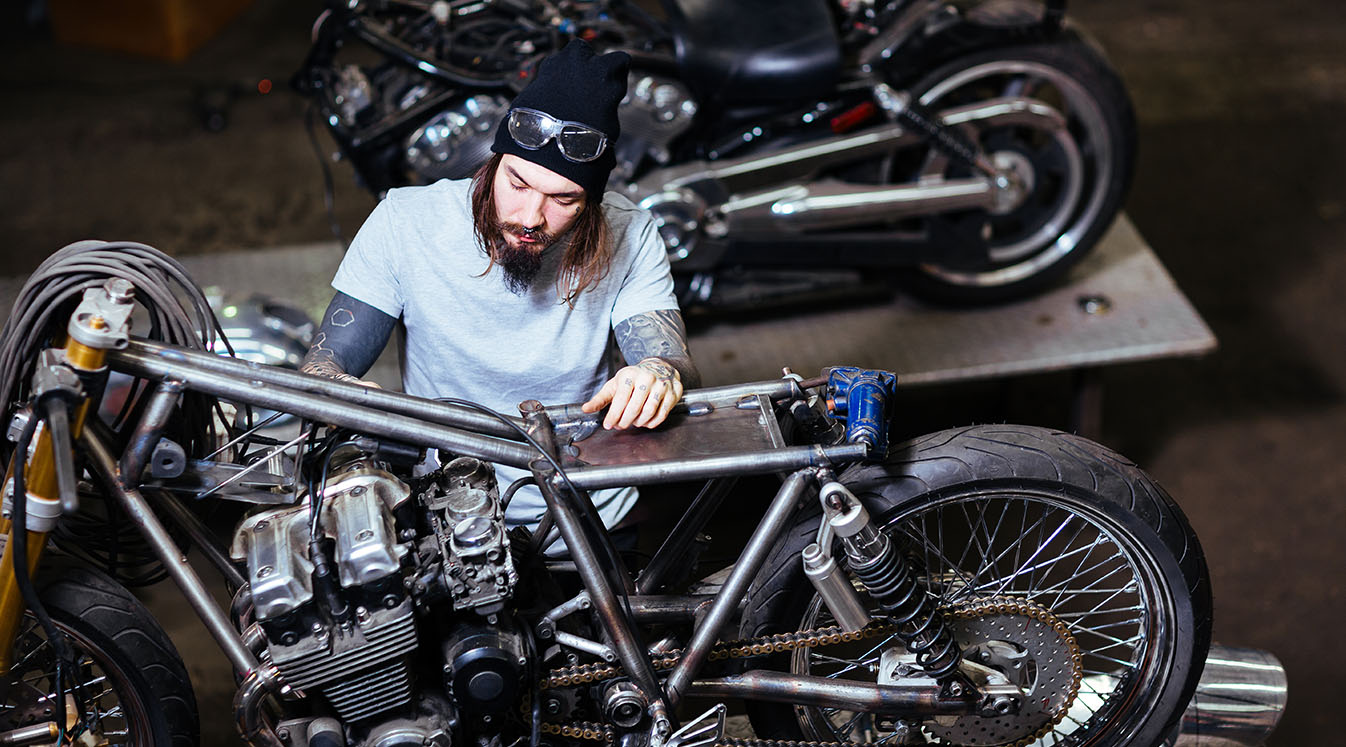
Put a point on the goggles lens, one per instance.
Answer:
(578, 142)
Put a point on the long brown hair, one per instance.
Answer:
(588, 255)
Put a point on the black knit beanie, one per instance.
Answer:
(575, 85)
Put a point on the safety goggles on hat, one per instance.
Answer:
(578, 142)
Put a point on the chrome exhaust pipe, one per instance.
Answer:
(832, 204)
(1238, 701)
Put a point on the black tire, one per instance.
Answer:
(1079, 176)
(112, 635)
(1121, 523)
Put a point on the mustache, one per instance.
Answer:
(536, 234)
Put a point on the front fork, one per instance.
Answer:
(100, 323)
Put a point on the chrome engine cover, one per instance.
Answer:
(656, 109)
(361, 667)
(457, 141)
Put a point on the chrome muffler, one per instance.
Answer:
(1238, 701)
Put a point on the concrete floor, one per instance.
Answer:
(1240, 189)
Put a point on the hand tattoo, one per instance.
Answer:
(663, 372)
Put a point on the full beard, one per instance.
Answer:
(521, 264)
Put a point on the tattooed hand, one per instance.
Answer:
(640, 395)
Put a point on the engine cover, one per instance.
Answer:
(457, 141)
(360, 666)
(485, 669)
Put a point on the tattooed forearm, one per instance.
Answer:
(350, 339)
(322, 362)
(662, 335)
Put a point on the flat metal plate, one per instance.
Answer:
(724, 431)
(1148, 318)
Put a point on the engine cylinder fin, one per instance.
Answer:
(320, 666)
(372, 692)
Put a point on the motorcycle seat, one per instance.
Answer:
(755, 51)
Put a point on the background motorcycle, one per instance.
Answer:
(977, 149)
(1025, 586)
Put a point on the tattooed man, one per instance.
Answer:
(510, 283)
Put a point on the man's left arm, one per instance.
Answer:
(654, 344)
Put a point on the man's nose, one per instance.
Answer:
(530, 211)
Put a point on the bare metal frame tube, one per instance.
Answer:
(602, 594)
(382, 399)
(200, 535)
(150, 428)
(736, 586)
(258, 391)
(135, 506)
(800, 689)
(756, 463)
(670, 608)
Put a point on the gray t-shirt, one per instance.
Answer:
(469, 336)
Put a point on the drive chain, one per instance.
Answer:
(782, 642)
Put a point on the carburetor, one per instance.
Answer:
(464, 505)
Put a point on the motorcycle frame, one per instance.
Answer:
(620, 602)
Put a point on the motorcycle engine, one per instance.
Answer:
(656, 110)
(355, 641)
(455, 142)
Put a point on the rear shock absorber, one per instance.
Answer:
(889, 579)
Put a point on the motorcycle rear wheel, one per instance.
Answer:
(1031, 515)
(132, 688)
(1078, 178)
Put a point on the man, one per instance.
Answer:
(508, 284)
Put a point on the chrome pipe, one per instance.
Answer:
(1238, 701)
(834, 204)
(758, 171)
(249, 716)
(779, 687)
(42, 733)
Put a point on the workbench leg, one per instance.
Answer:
(1086, 403)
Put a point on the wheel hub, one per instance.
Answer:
(1018, 644)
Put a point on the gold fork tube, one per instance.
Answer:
(40, 479)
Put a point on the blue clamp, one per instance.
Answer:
(862, 396)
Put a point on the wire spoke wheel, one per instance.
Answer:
(1061, 568)
(1072, 168)
(99, 700)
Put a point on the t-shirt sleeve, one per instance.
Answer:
(368, 272)
(648, 285)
